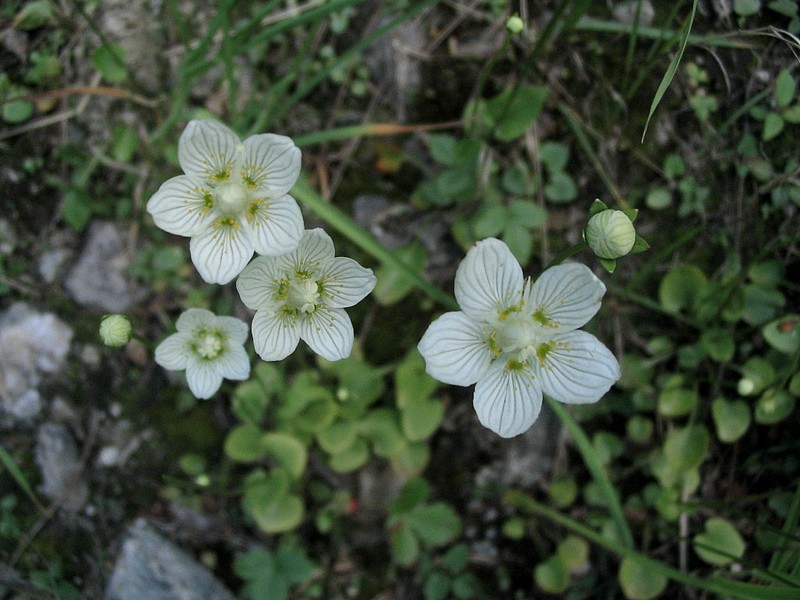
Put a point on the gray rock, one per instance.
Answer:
(98, 278)
(31, 343)
(59, 462)
(625, 12)
(151, 567)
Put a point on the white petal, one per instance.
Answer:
(221, 253)
(181, 206)
(276, 225)
(174, 352)
(567, 296)
(488, 280)
(208, 149)
(258, 283)
(234, 363)
(192, 317)
(272, 162)
(203, 378)
(313, 252)
(456, 349)
(236, 329)
(345, 282)
(507, 401)
(329, 332)
(274, 337)
(578, 369)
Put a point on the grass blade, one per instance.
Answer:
(671, 70)
(19, 476)
(595, 468)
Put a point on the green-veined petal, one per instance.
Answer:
(456, 349)
(507, 400)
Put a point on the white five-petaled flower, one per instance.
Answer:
(302, 295)
(209, 347)
(232, 199)
(517, 340)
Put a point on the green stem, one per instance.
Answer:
(568, 253)
(718, 585)
(596, 468)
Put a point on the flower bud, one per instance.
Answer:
(515, 24)
(115, 330)
(610, 234)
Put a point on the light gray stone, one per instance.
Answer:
(59, 461)
(31, 343)
(149, 566)
(98, 278)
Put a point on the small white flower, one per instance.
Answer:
(518, 340)
(209, 347)
(232, 200)
(302, 295)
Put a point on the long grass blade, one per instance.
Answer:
(19, 476)
(672, 69)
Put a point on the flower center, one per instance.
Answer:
(208, 345)
(303, 295)
(520, 337)
(231, 197)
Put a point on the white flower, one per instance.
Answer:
(209, 347)
(518, 340)
(232, 200)
(302, 295)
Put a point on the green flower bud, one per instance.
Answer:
(610, 234)
(115, 330)
(515, 24)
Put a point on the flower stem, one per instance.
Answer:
(569, 252)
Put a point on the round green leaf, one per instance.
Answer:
(527, 213)
(560, 188)
(573, 552)
(351, 458)
(757, 374)
(785, 88)
(404, 544)
(783, 334)
(434, 524)
(675, 402)
(287, 450)
(337, 437)
(720, 543)
(718, 344)
(109, 60)
(774, 406)
(243, 443)
(731, 419)
(659, 198)
(563, 492)
(639, 429)
(552, 576)
(382, 429)
(639, 581)
(410, 459)
(284, 515)
(685, 447)
(773, 126)
(681, 287)
(422, 419)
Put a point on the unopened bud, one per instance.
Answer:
(610, 234)
(515, 24)
(115, 330)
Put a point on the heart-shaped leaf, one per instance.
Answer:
(720, 543)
